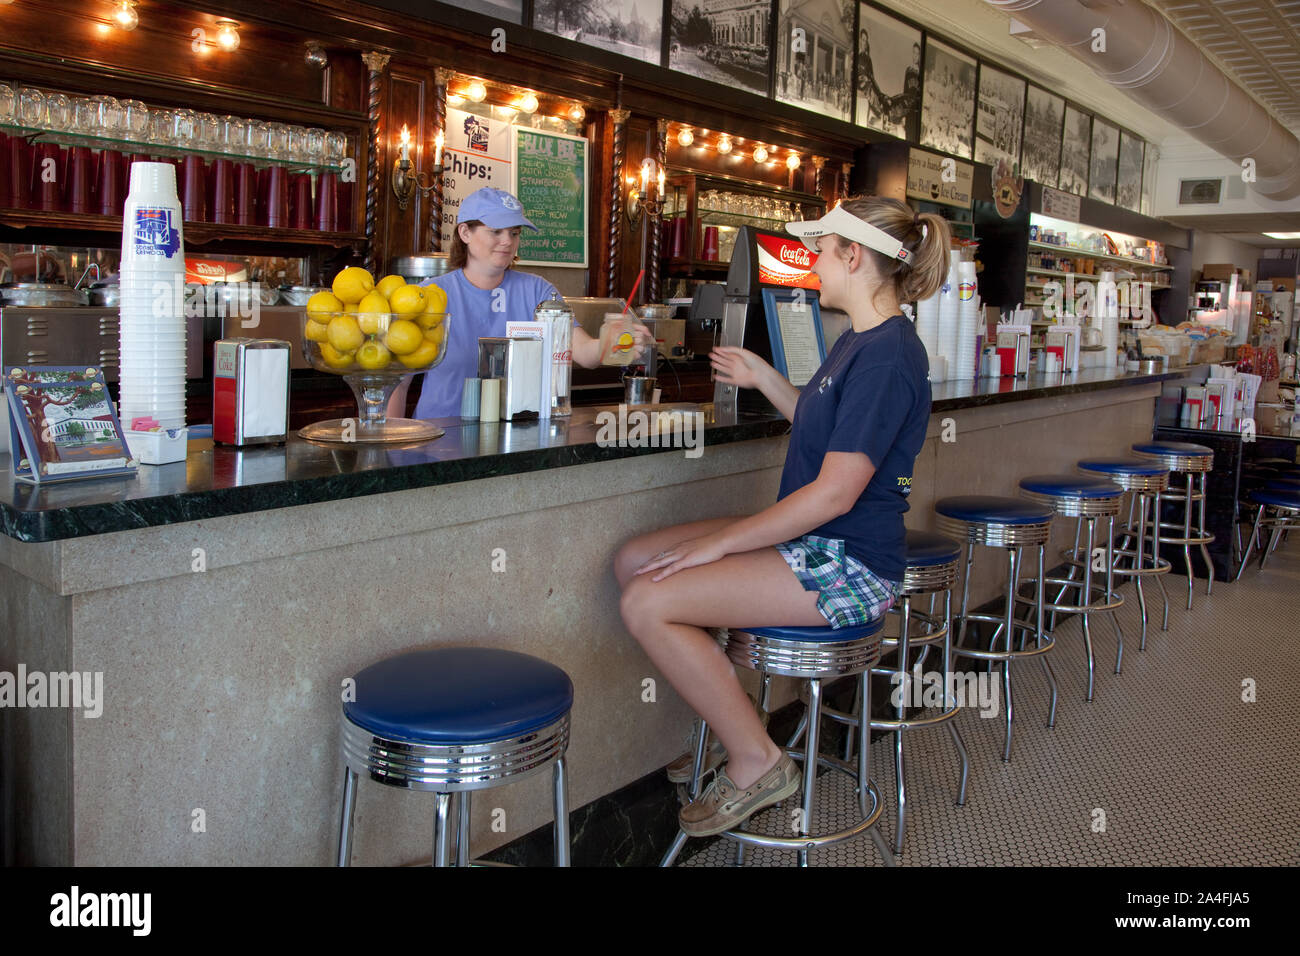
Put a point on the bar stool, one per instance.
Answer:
(1195, 462)
(1284, 505)
(1145, 481)
(813, 654)
(453, 720)
(1013, 524)
(1086, 499)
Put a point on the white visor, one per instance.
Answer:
(839, 221)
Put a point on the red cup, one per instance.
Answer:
(300, 205)
(245, 176)
(710, 244)
(110, 184)
(273, 197)
(327, 214)
(345, 207)
(221, 191)
(49, 167)
(194, 190)
(18, 193)
(679, 250)
(81, 177)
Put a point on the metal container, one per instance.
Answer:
(518, 363)
(639, 390)
(415, 269)
(106, 295)
(41, 295)
(250, 391)
(82, 336)
(299, 294)
(1149, 366)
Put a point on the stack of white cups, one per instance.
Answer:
(968, 322)
(152, 378)
(927, 326)
(948, 315)
(1109, 314)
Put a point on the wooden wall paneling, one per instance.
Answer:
(408, 101)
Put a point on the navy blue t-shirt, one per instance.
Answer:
(871, 395)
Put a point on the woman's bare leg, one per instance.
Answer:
(637, 551)
(753, 589)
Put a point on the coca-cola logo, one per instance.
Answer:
(796, 255)
(203, 268)
(565, 356)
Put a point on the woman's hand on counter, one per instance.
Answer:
(686, 554)
(744, 369)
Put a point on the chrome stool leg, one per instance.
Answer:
(441, 828)
(462, 828)
(345, 821)
(950, 701)
(693, 791)
(1012, 587)
(1155, 552)
(1110, 589)
(560, 784)
(900, 768)
(1205, 550)
(1047, 665)
(812, 743)
(1254, 535)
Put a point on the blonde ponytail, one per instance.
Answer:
(926, 236)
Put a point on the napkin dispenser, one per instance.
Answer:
(250, 391)
(518, 363)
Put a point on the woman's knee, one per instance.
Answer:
(627, 559)
(639, 605)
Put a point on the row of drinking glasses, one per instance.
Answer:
(131, 120)
(757, 207)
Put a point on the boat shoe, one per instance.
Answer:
(724, 806)
(679, 771)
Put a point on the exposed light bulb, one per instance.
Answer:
(228, 35)
(760, 154)
(792, 161)
(724, 144)
(577, 114)
(685, 137)
(477, 92)
(125, 15)
(528, 104)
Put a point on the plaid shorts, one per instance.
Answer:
(849, 592)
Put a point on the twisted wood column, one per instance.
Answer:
(654, 224)
(844, 180)
(441, 77)
(818, 163)
(376, 63)
(619, 118)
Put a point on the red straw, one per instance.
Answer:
(632, 295)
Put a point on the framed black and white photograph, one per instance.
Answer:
(725, 41)
(1128, 191)
(999, 117)
(1044, 120)
(889, 75)
(1149, 162)
(1105, 159)
(948, 100)
(1075, 145)
(629, 27)
(814, 55)
(512, 10)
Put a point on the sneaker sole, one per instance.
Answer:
(775, 797)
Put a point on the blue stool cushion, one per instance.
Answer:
(990, 509)
(1281, 499)
(926, 549)
(1123, 466)
(1172, 448)
(816, 635)
(459, 695)
(1071, 486)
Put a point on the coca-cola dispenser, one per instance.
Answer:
(771, 307)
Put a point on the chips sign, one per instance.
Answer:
(940, 179)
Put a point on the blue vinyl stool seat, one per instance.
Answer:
(1194, 462)
(1085, 498)
(813, 654)
(1278, 508)
(1012, 524)
(452, 720)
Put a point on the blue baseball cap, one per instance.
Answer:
(495, 208)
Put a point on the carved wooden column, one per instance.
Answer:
(619, 118)
(441, 77)
(376, 63)
(818, 163)
(844, 180)
(654, 225)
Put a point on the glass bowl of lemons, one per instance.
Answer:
(373, 334)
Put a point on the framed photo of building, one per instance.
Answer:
(725, 41)
(1128, 189)
(512, 10)
(629, 27)
(1105, 159)
(1044, 120)
(1076, 143)
(948, 99)
(814, 55)
(889, 75)
(1149, 162)
(999, 117)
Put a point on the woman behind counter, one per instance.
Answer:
(483, 294)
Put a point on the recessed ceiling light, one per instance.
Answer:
(1283, 235)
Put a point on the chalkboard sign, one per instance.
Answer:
(550, 172)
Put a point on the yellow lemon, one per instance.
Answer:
(344, 333)
(428, 320)
(334, 358)
(324, 303)
(373, 355)
(352, 284)
(421, 357)
(435, 334)
(372, 313)
(407, 300)
(387, 284)
(404, 337)
(350, 308)
(316, 331)
(435, 300)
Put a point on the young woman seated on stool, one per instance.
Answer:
(830, 551)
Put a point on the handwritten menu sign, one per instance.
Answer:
(551, 181)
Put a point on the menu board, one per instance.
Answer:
(550, 177)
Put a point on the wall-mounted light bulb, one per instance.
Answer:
(724, 144)
(228, 35)
(577, 114)
(528, 104)
(792, 161)
(125, 15)
(685, 137)
(477, 92)
(760, 154)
